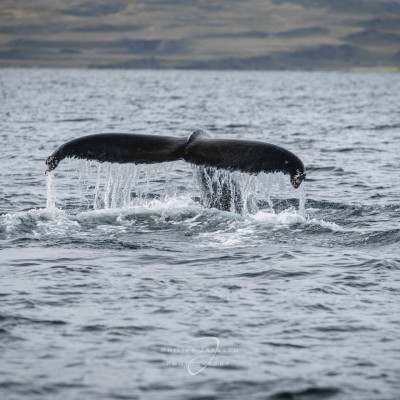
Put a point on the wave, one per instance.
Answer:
(183, 219)
(379, 127)
(312, 392)
(133, 201)
(179, 212)
(76, 120)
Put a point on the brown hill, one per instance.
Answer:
(216, 34)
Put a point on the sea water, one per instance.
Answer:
(115, 282)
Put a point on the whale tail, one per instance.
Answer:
(232, 155)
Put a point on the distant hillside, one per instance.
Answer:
(201, 34)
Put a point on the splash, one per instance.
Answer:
(302, 198)
(95, 186)
(107, 186)
(239, 192)
(51, 191)
(222, 189)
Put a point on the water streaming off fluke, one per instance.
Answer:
(96, 186)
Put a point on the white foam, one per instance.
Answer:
(241, 237)
(328, 225)
(44, 221)
(154, 206)
(245, 231)
(291, 217)
(57, 222)
(286, 217)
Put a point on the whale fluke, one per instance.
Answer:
(232, 155)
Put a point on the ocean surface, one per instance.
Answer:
(115, 283)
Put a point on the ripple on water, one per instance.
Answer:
(124, 263)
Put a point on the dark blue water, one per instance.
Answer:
(115, 283)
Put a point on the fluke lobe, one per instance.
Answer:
(232, 155)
